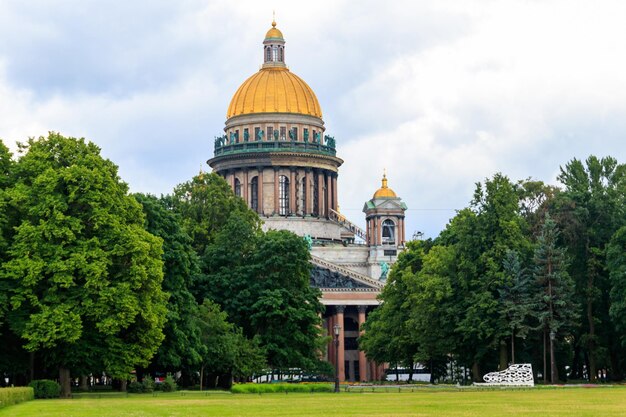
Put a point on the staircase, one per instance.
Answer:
(341, 220)
(345, 271)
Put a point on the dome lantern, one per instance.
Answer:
(274, 48)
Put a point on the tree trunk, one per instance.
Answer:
(84, 386)
(410, 371)
(545, 369)
(31, 365)
(504, 358)
(591, 345)
(397, 373)
(476, 377)
(513, 347)
(66, 383)
(201, 376)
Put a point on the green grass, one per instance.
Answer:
(423, 402)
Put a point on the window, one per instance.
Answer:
(268, 54)
(254, 194)
(270, 133)
(389, 231)
(256, 133)
(283, 195)
(237, 187)
(283, 133)
(274, 53)
(295, 133)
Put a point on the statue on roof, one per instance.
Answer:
(384, 270)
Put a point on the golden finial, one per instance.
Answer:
(274, 18)
(384, 178)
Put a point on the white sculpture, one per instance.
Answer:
(517, 375)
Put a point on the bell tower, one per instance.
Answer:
(384, 217)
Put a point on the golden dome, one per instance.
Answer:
(274, 33)
(384, 191)
(274, 90)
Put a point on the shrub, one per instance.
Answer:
(168, 385)
(148, 384)
(10, 396)
(281, 387)
(135, 387)
(45, 388)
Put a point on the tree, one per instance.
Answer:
(83, 276)
(285, 309)
(557, 311)
(387, 335)
(616, 262)
(592, 208)
(181, 266)
(430, 302)
(225, 349)
(517, 299)
(205, 203)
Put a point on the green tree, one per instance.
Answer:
(430, 302)
(517, 299)
(591, 209)
(83, 276)
(285, 310)
(181, 347)
(225, 349)
(205, 203)
(616, 261)
(557, 312)
(387, 336)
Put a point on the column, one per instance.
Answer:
(320, 194)
(259, 191)
(331, 344)
(379, 232)
(329, 193)
(362, 359)
(292, 191)
(230, 179)
(309, 192)
(341, 357)
(334, 181)
(244, 191)
(276, 205)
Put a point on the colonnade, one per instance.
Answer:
(359, 368)
(302, 191)
(374, 229)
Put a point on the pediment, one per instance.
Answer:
(326, 278)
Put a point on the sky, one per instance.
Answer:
(441, 94)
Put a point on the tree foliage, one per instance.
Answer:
(83, 276)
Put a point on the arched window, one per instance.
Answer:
(268, 54)
(389, 231)
(237, 187)
(283, 195)
(254, 194)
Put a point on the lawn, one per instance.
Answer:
(424, 402)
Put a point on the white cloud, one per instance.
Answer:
(442, 94)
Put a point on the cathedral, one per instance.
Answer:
(276, 155)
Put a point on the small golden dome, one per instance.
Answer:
(274, 33)
(274, 90)
(384, 191)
